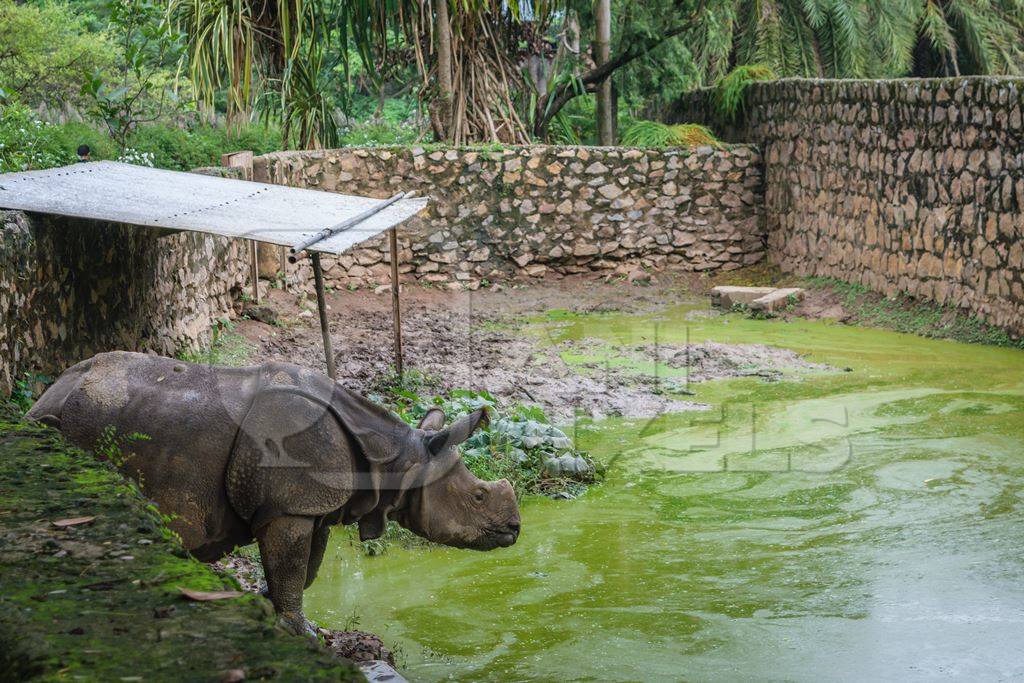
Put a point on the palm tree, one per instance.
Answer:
(502, 70)
(878, 38)
(260, 51)
(470, 56)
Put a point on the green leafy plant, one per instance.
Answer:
(111, 446)
(730, 91)
(655, 134)
(519, 444)
(137, 90)
(27, 389)
(300, 102)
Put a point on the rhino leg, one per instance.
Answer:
(316, 552)
(285, 544)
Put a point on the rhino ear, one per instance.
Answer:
(433, 420)
(460, 430)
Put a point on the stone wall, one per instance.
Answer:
(536, 211)
(71, 288)
(903, 186)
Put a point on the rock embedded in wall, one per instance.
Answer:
(541, 210)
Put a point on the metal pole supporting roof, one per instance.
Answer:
(321, 306)
(396, 310)
(318, 278)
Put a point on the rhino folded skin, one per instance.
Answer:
(225, 452)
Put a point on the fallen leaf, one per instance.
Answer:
(233, 676)
(206, 596)
(73, 521)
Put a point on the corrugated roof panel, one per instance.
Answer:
(111, 191)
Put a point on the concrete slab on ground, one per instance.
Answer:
(728, 296)
(379, 671)
(766, 299)
(780, 298)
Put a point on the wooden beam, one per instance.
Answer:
(321, 305)
(243, 160)
(254, 269)
(396, 309)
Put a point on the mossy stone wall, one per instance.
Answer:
(71, 288)
(542, 210)
(912, 186)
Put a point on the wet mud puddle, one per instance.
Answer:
(847, 525)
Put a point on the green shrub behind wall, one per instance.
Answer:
(27, 143)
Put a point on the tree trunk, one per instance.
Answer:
(602, 54)
(445, 85)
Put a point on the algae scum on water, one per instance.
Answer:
(864, 523)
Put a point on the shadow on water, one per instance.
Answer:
(851, 525)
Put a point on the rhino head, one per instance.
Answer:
(453, 506)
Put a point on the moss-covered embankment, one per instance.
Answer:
(101, 600)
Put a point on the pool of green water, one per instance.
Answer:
(854, 525)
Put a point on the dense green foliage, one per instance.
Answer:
(878, 38)
(46, 51)
(327, 72)
(28, 143)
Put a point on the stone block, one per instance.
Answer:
(777, 299)
(727, 296)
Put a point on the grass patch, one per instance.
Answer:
(227, 348)
(653, 134)
(731, 91)
(904, 313)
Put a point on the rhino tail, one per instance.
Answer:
(50, 406)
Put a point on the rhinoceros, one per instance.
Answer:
(278, 453)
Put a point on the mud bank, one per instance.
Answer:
(475, 340)
(92, 583)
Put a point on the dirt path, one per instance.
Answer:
(461, 339)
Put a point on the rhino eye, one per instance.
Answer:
(479, 495)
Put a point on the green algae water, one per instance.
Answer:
(854, 525)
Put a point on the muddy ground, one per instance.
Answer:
(473, 340)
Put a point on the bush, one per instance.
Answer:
(520, 443)
(27, 143)
(378, 132)
(184, 149)
(654, 134)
